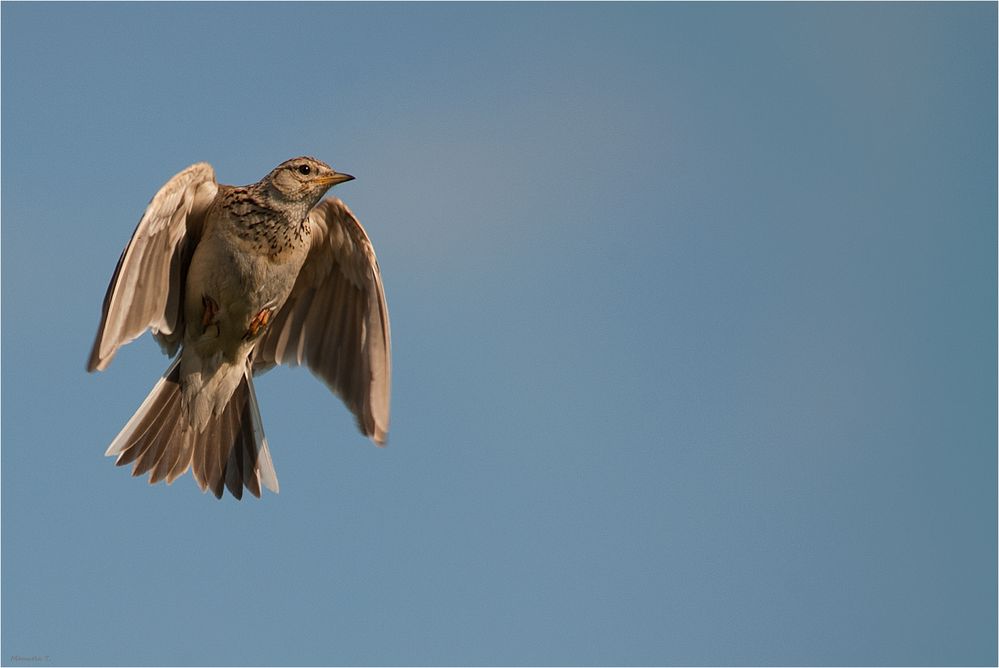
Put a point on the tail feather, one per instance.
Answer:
(228, 433)
(183, 462)
(248, 455)
(144, 436)
(234, 471)
(155, 440)
(212, 476)
(230, 452)
(166, 462)
(131, 441)
(266, 475)
(199, 462)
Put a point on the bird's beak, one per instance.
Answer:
(335, 178)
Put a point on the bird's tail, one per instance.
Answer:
(230, 451)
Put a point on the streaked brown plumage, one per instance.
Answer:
(239, 279)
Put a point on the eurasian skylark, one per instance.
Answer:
(240, 279)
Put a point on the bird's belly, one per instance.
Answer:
(232, 295)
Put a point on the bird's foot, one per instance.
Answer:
(259, 323)
(211, 310)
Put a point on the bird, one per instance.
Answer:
(232, 281)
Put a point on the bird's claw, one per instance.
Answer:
(258, 324)
(211, 310)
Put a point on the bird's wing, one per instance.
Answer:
(146, 290)
(336, 320)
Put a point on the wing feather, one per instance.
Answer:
(147, 287)
(336, 319)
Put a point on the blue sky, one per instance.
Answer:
(694, 325)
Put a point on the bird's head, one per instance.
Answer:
(303, 180)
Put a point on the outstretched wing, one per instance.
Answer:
(336, 320)
(146, 290)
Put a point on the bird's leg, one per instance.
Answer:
(259, 323)
(211, 309)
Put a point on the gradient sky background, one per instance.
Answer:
(694, 320)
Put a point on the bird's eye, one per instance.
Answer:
(304, 169)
